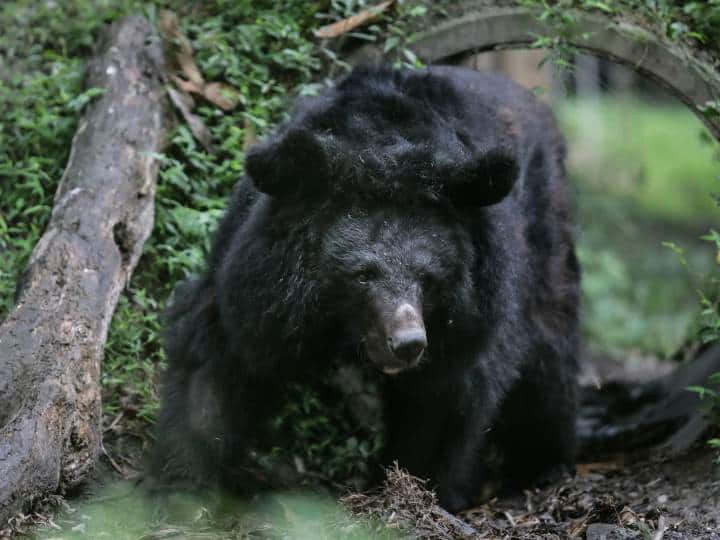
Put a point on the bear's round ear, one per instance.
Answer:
(293, 164)
(483, 180)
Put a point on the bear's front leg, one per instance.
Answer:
(457, 464)
(209, 421)
(413, 426)
(438, 433)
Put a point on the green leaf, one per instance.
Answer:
(84, 98)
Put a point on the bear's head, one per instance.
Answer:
(395, 166)
(396, 277)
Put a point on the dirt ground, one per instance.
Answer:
(658, 499)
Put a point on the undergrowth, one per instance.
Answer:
(709, 332)
(42, 52)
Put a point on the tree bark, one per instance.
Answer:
(51, 345)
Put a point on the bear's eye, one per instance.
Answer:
(363, 277)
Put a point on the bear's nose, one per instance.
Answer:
(408, 345)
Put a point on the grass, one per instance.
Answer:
(39, 77)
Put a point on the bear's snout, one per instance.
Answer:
(406, 337)
(409, 345)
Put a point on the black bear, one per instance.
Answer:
(415, 220)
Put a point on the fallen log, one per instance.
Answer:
(51, 345)
(657, 417)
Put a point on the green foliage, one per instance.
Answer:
(634, 297)
(132, 358)
(321, 431)
(37, 85)
(709, 330)
(707, 322)
(391, 32)
(710, 397)
(563, 22)
(635, 192)
(697, 22)
(708, 289)
(707, 325)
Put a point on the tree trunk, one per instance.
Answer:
(51, 345)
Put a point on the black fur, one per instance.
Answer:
(440, 189)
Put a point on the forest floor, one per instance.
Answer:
(651, 498)
(655, 499)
